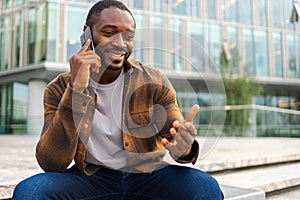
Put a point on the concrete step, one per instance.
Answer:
(237, 193)
(267, 178)
(236, 153)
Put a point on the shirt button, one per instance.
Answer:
(126, 144)
(84, 103)
(86, 125)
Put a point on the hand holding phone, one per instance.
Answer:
(87, 34)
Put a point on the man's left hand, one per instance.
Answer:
(184, 134)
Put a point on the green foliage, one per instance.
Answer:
(240, 90)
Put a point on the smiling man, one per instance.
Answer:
(115, 117)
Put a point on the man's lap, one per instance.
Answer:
(171, 182)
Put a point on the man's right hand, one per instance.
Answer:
(81, 64)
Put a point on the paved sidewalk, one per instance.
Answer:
(17, 159)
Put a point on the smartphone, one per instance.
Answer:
(87, 34)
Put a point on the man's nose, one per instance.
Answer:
(119, 41)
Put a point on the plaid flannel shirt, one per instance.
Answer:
(149, 108)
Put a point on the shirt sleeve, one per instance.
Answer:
(64, 110)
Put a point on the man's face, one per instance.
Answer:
(113, 33)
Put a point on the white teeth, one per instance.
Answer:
(117, 55)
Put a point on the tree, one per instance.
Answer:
(240, 89)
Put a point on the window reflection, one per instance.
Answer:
(245, 11)
(139, 38)
(157, 40)
(261, 53)
(277, 52)
(176, 44)
(281, 13)
(36, 31)
(214, 45)
(248, 51)
(261, 12)
(197, 52)
(210, 9)
(292, 61)
(17, 40)
(139, 4)
(233, 47)
(229, 10)
(6, 40)
(157, 5)
(52, 31)
(75, 21)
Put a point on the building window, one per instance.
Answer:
(229, 10)
(139, 39)
(261, 53)
(281, 13)
(52, 31)
(5, 35)
(245, 11)
(214, 44)
(210, 9)
(232, 37)
(176, 44)
(19, 108)
(76, 16)
(248, 50)
(261, 12)
(157, 40)
(178, 7)
(292, 52)
(17, 39)
(139, 4)
(193, 8)
(5, 109)
(36, 32)
(197, 51)
(277, 52)
(157, 5)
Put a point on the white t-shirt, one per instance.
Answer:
(105, 143)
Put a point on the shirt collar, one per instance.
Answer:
(133, 63)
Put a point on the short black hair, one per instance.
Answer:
(98, 7)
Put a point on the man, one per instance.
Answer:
(114, 117)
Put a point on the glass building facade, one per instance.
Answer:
(178, 36)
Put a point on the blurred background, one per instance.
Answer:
(235, 57)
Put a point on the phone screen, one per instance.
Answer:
(87, 34)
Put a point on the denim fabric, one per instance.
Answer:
(171, 182)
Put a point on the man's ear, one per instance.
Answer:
(84, 27)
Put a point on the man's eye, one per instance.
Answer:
(108, 33)
(129, 37)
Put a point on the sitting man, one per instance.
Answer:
(115, 118)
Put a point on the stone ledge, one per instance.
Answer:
(236, 193)
(247, 162)
(6, 192)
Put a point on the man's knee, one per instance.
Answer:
(25, 190)
(35, 187)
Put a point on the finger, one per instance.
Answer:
(192, 113)
(173, 131)
(86, 45)
(165, 142)
(176, 124)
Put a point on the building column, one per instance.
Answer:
(35, 106)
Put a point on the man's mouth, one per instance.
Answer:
(116, 56)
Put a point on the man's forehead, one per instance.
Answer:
(116, 16)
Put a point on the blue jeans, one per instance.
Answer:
(171, 182)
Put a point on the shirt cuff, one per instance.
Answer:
(192, 156)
